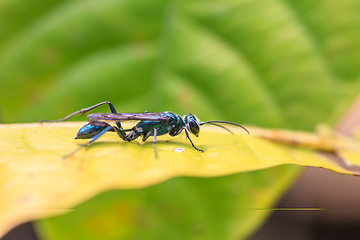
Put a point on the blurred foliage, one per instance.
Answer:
(184, 208)
(285, 64)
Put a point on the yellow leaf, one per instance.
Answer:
(36, 181)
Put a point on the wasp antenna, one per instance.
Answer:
(226, 122)
(218, 125)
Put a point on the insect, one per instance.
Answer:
(150, 124)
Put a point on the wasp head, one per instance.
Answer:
(192, 124)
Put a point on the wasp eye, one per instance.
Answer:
(194, 127)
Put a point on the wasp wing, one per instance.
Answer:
(118, 117)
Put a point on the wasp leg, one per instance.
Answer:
(187, 135)
(154, 142)
(132, 135)
(109, 128)
(85, 110)
(121, 132)
(148, 134)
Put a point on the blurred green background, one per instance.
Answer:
(284, 64)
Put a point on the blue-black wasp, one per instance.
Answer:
(150, 124)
